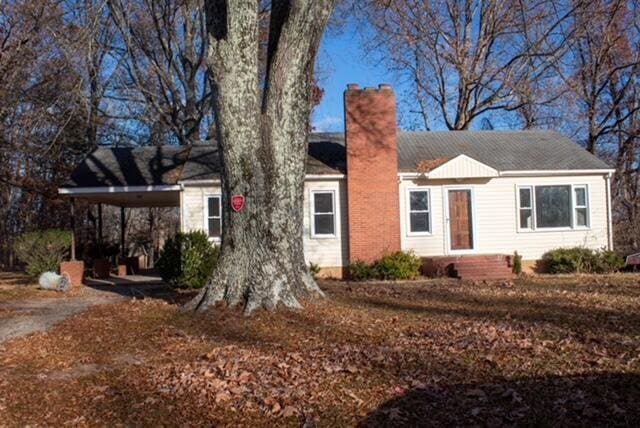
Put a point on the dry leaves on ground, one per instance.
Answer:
(552, 351)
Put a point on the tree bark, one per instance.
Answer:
(262, 129)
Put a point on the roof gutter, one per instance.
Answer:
(306, 177)
(526, 173)
(118, 189)
(555, 172)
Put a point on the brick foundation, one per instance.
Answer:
(332, 273)
(372, 172)
(75, 270)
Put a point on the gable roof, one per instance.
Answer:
(498, 150)
(462, 166)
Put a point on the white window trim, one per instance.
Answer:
(205, 215)
(312, 211)
(587, 200)
(532, 208)
(408, 211)
(535, 227)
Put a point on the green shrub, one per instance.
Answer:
(361, 271)
(582, 260)
(396, 266)
(517, 263)
(187, 260)
(43, 251)
(608, 261)
(399, 265)
(314, 269)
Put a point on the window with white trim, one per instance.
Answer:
(553, 207)
(419, 212)
(525, 209)
(581, 206)
(214, 217)
(323, 214)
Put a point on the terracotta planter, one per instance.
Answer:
(122, 268)
(101, 268)
(75, 270)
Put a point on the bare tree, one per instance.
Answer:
(262, 130)
(601, 67)
(466, 58)
(165, 79)
(41, 116)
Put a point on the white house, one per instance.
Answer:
(465, 200)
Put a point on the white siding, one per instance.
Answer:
(192, 210)
(326, 252)
(496, 217)
(462, 167)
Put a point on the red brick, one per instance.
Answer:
(372, 172)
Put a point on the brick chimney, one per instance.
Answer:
(372, 172)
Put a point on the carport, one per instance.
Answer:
(135, 177)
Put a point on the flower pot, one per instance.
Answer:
(122, 268)
(75, 270)
(101, 268)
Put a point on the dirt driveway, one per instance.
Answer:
(20, 317)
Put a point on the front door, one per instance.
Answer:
(460, 219)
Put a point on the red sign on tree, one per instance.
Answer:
(237, 203)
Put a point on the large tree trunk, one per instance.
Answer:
(262, 130)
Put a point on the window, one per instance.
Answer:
(552, 207)
(323, 214)
(526, 208)
(580, 206)
(214, 217)
(419, 212)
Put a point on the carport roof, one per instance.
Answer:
(171, 165)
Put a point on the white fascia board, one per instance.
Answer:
(199, 182)
(556, 172)
(307, 177)
(117, 189)
(528, 173)
(324, 176)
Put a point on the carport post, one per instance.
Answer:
(122, 243)
(100, 227)
(73, 229)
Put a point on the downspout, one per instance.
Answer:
(609, 219)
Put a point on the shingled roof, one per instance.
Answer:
(501, 150)
(169, 165)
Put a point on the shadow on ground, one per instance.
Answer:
(605, 399)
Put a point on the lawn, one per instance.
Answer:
(546, 351)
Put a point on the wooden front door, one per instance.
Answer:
(460, 219)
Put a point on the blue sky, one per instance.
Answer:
(343, 60)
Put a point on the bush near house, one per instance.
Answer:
(361, 271)
(517, 263)
(582, 260)
(314, 269)
(187, 260)
(43, 251)
(396, 266)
